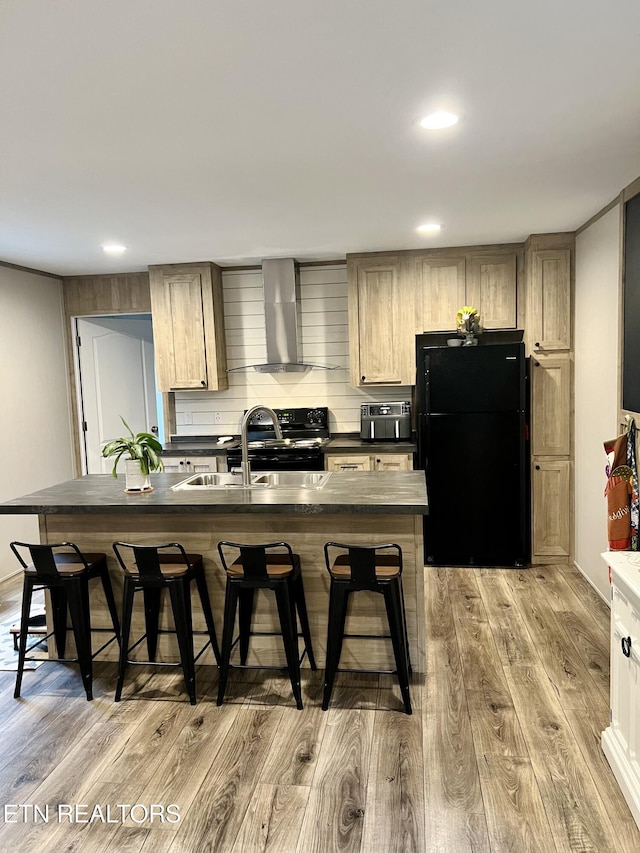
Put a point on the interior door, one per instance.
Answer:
(116, 378)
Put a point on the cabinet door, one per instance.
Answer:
(373, 316)
(550, 405)
(357, 462)
(393, 462)
(551, 508)
(441, 291)
(551, 299)
(622, 669)
(187, 314)
(491, 288)
(178, 326)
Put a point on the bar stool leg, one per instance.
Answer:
(230, 602)
(396, 629)
(286, 611)
(338, 600)
(181, 605)
(103, 573)
(205, 603)
(27, 592)
(406, 632)
(301, 605)
(245, 614)
(127, 609)
(59, 616)
(78, 598)
(152, 597)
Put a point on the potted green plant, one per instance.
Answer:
(143, 451)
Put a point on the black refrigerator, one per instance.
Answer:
(472, 410)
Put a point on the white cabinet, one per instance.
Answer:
(190, 464)
(621, 740)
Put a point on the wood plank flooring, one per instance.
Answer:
(502, 752)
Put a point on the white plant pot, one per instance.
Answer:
(135, 480)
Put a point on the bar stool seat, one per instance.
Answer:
(150, 569)
(376, 568)
(66, 575)
(271, 566)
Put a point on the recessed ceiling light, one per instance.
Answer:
(429, 228)
(113, 249)
(439, 120)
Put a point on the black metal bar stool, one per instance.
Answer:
(264, 567)
(377, 568)
(66, 575)
(152, 569)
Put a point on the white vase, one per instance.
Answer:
(136, 481)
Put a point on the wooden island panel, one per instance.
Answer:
(306, 533)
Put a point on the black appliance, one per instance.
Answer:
(304, 433)
(473, 445)
(385, 421)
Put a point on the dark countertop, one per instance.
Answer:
(360, 493)
(198, 446)
(346, 443)
(354, 444)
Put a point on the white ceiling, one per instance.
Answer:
(234, 130)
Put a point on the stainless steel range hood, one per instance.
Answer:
(281, 283)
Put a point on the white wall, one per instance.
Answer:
(324, 339)
(596, 386)
(34, 395)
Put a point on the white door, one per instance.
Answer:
(116, 378)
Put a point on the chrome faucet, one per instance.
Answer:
(246, 466)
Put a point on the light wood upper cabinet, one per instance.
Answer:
(381, 322)
(550, 299)
(447, 282)
(551, 405)
(491, 288)
(188, 327)
(442, 290)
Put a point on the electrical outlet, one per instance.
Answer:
(217, 417)
(188, 418)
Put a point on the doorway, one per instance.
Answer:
(115, 375)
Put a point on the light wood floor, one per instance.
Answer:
(502, 752)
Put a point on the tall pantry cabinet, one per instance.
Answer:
(549, 272)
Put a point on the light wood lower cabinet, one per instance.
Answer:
(370, 462)
(551, 535)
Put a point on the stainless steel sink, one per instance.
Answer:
(291, 479)
(223, 480)
(264, 480)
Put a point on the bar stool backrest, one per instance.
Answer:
(147, 557)
(43, 556)
(362, 559)
(254, 557)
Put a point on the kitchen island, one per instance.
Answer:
(361, 508)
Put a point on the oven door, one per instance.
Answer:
(265, 461)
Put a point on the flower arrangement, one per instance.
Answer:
(468, 320)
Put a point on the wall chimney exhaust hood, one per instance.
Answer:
(281, 283)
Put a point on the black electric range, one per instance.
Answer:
(304, 433)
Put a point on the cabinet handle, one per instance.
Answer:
(537, 344)
(626, 646)
(348, 467)
(537, 467)
(537, 363)
(203, 382)
(363, 378)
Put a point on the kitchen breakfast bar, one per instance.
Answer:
(363, 508)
